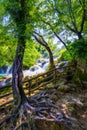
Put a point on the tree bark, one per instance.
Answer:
(17, 75)
(79, 35)
(20, 20)
(50, 57)
(44, 44)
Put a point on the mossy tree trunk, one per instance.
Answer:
(19, 17)
(17, 74)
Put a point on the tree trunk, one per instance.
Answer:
(50, 57)
(20, 20)
(17, 74)
(44, 44)
(79, 35)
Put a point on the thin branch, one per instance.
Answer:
(83, 21)
(62, 42)
(38, 40)
(58, 36)
(73, 19)
(72, 29)
(83, 16)
(41, 38)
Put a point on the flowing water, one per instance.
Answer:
(40, 67)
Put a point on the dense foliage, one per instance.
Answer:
(49, 17)
(79, 50)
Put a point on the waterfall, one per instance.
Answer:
(8, 71)
(45, 66)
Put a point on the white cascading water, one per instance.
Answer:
(40, 67)
(8, 70)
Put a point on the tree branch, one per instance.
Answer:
(44, 42)
(58, 36)
(38, 40)
(83, 16)
(73, 19)
(72, 29)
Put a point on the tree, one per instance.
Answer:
(48, 21)
(39, 38)
(69, 14)
(62, 15)
(18, 11)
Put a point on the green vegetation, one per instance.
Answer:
(79, 50)
(64, 55)
(33, 29)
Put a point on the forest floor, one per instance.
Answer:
(73, 102)
(71, 99)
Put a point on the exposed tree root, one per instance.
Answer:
(38, 107)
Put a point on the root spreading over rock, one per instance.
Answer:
(38, 108)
